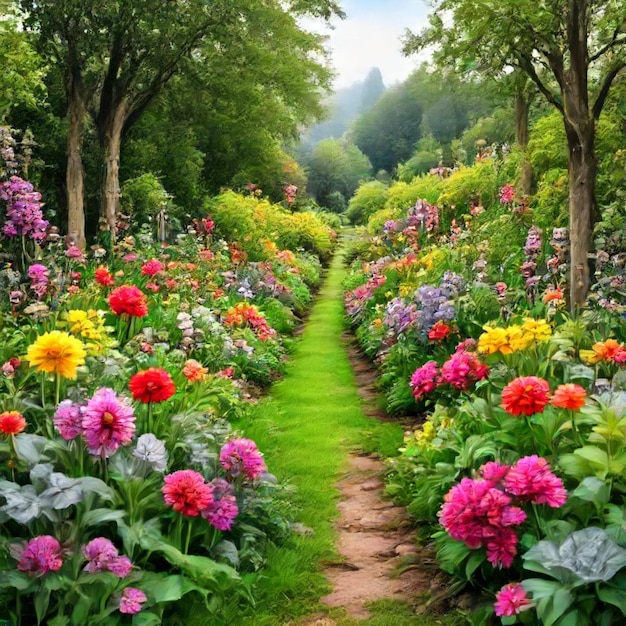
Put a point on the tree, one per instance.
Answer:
(573, 51)
(373, 88)
(119, 56)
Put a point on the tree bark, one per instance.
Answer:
(74, 174)
(112, 140)
(525, 179)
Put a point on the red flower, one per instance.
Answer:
(128, 300)
(569, 396)
(439, 331)
(12, 423)
(186, 492)
(103, 276)
(152, 385)
(151, 267)
(526, 394)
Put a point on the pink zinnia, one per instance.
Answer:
(531, 479)
(131, 600)
(186, 492)
(241, 456)
(494, 472)
(108, 423)
(424, 379)
(151, 267)
(511, 600)
(41, 555)
(68, 420)
(222, 513)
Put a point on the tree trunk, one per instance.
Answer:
(524, 182)
(74, 174)
(112, 140)
(582, 172)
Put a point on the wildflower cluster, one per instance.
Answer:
(514, 338)
(24, 217)
(244, 314)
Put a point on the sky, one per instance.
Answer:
(370, 36)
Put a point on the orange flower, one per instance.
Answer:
(12, 422)
(569, 396)
(194, 372)
(526, 394)
(609, 350)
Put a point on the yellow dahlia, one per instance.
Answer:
(540, 329)
(518, 338)
(57, 352)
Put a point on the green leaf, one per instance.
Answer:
(594, 455)
(100, 516)
(615, 597)
(146, 618)
(474, 562)
(540, 588)
(561, 601)
(593, 489)
(41, 601)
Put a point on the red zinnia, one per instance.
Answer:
(103, 276)
(152, 385)
(128, 300)
(569, 396)
(186, 492)
(12, 423)
(526, 394)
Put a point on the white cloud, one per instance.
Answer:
(371, 36)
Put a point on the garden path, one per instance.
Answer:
(313, 429)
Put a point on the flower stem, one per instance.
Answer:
(188, 539)
(43, 391)
(57, 390)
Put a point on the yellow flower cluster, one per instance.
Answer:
(514, 338)
(88, 325)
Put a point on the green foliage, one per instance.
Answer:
(143, 198)
(402, 195)
(369, 198)
(470, 184)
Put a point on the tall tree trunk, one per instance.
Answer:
(524, 182)
(112, 140)
(582, 172)
(74, 174)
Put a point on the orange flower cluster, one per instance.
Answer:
(610, 350)
(244, 314)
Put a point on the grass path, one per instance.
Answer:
(306, 428)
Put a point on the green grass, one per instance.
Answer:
(306, 429)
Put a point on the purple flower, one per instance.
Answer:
(222, 513)
(23, 212)
(102, 556)
(68, 420)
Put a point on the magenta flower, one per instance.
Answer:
(494, 472)
(23, 212)
(531, 479)
(131, 600)
(480, 515)
(462, 370)
(68, 420)
(222, 513)
(41, 555)
(511, 600)
(241, 456)
(108, 423)
(102, 556)
(425, 379)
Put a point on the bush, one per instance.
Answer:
(369, 198)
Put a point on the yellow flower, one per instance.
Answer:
(79, 322)
(405, 290)
(539, 329)
(56, 352)
(494, 340)
(517, 337)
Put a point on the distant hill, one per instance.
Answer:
(344, 106)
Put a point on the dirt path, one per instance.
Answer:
(375, 537)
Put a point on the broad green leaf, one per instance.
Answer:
(593, 489)
(101, 516)
(616, 597)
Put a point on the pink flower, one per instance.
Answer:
(41, 555)
(241, 456)
(130, 257)
(462, 370)
(68, 420)
(425, 379)
(108, 423)
(131, 600)
(74, 252)
(222, 513)
(104, 557)
(186, 492)
(507, 193)
(480, 515)
(511, 600)
(494, 472)
(531, 479)
(151, 267)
